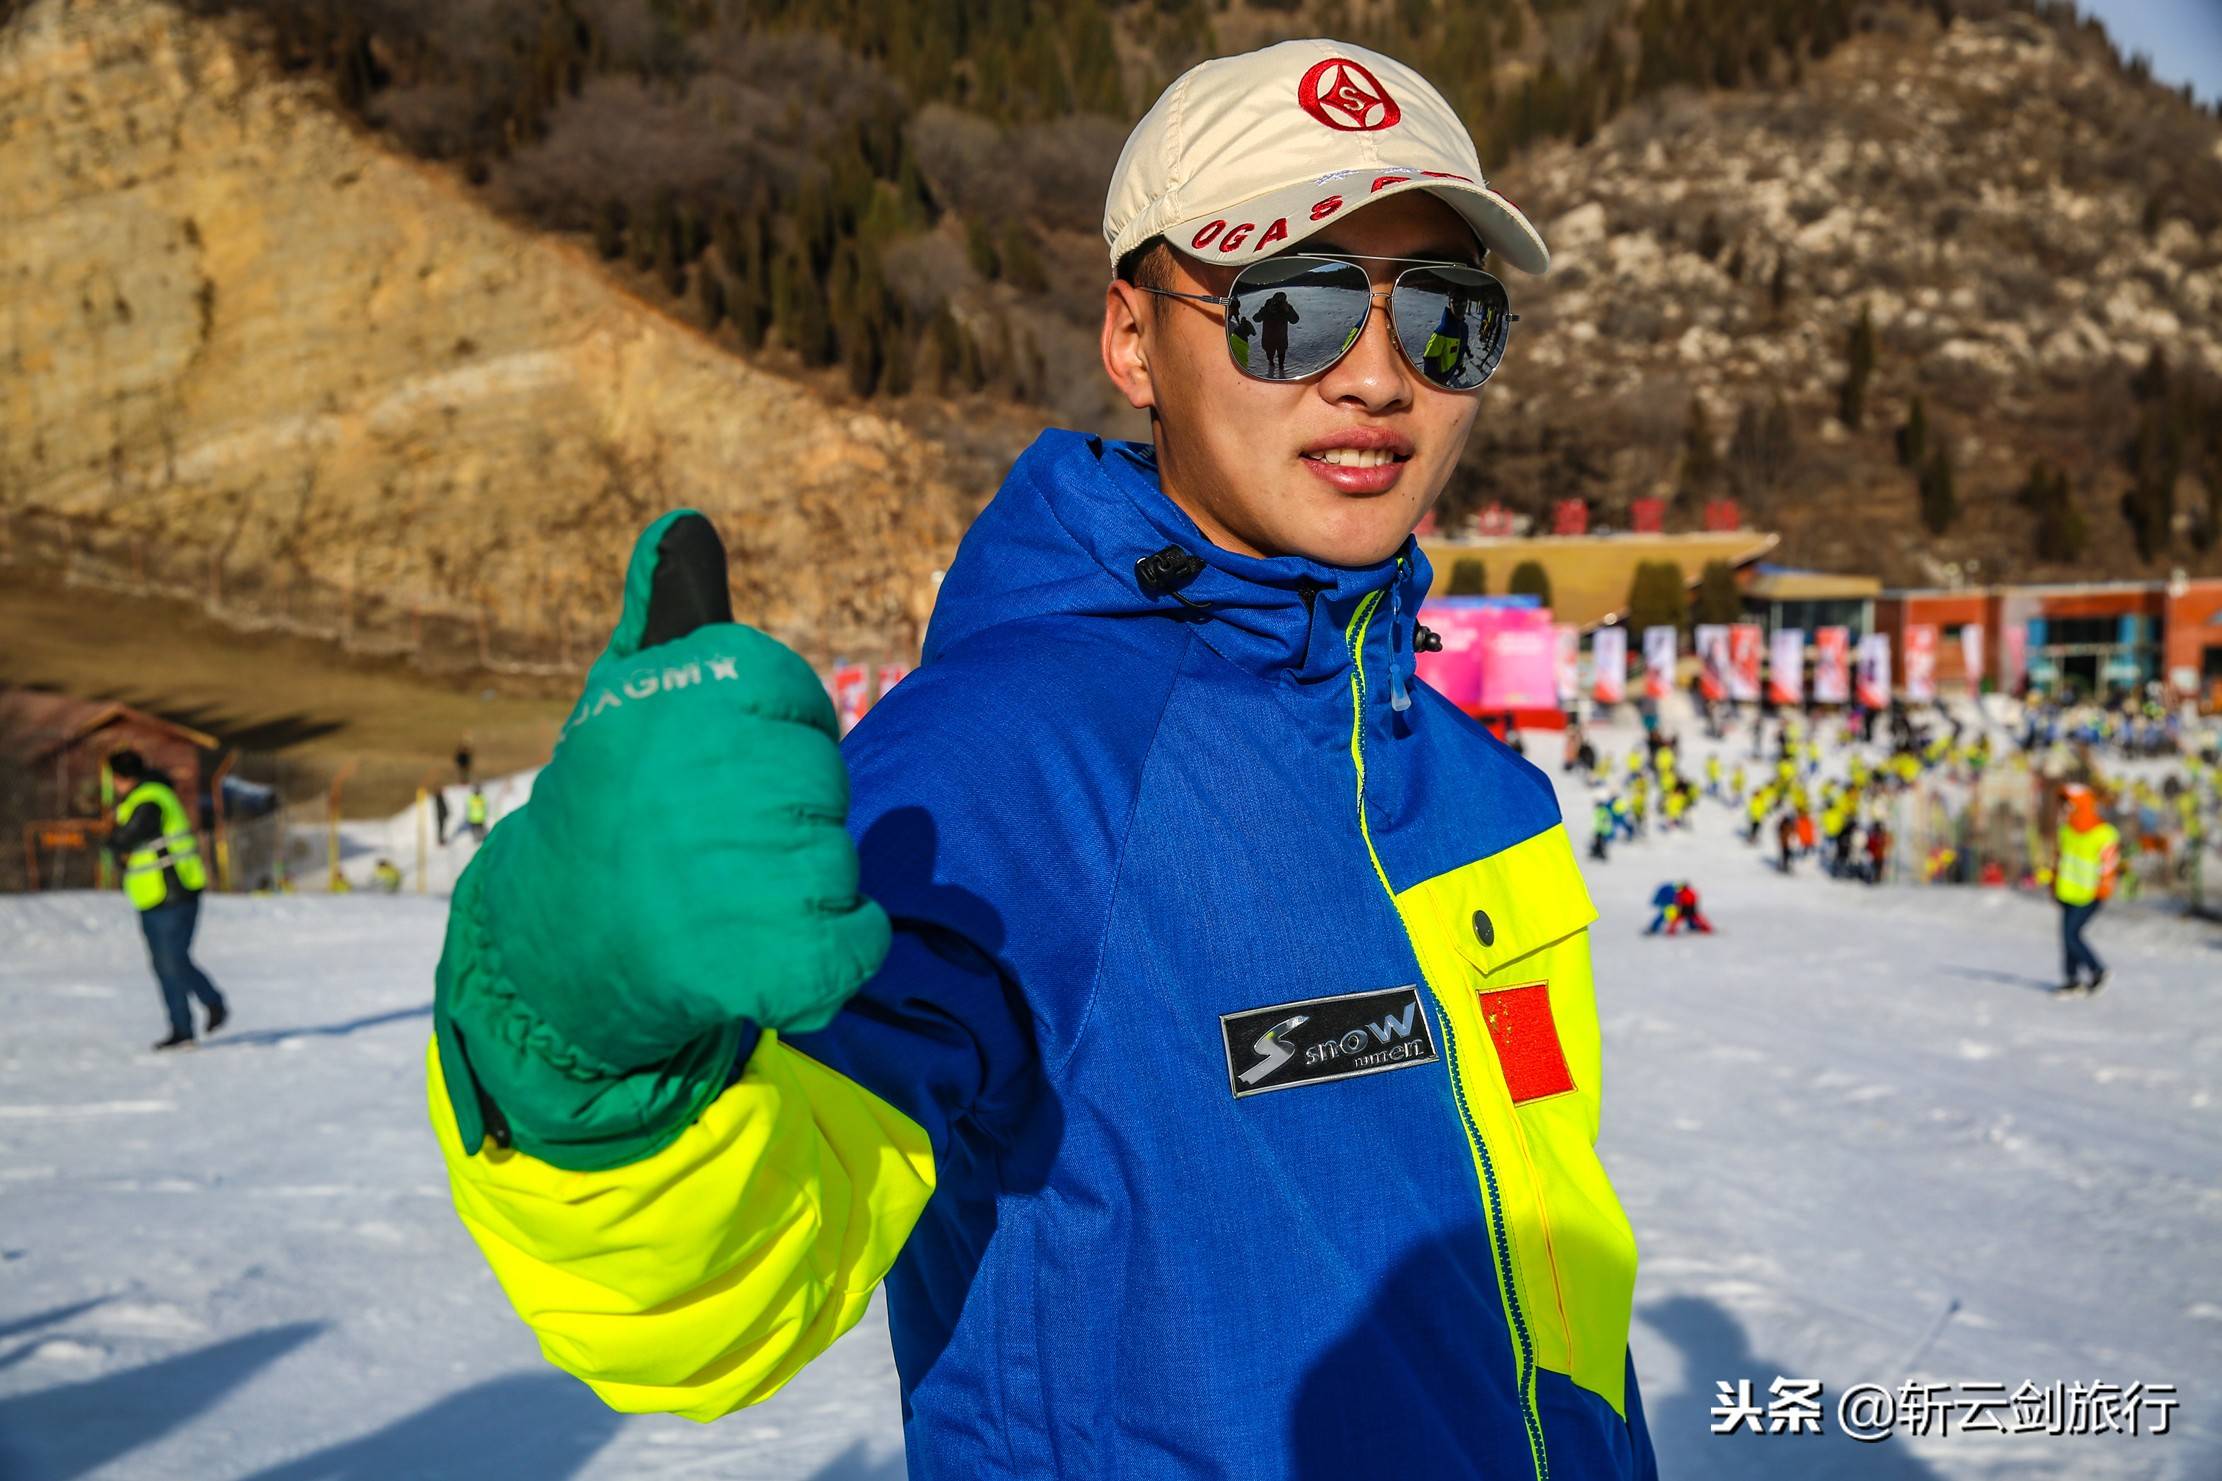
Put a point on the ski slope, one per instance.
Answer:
(1858, 1142)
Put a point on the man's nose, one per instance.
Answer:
(1373, 374)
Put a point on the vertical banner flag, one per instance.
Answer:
(891, 674)
(1832, 671)
(1608, 652)
(1786, 667)
(1921, 661)
(1874, 671)
(2013, 657)
(1711, 639)
(850, 697)
(1743, 662)
(1658, 661)
(1971, 653)
(1569, 640)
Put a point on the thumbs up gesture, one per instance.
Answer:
(681, 873)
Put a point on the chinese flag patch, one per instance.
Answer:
(1526, 1036)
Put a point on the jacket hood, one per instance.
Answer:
(2083, 810)
(1065, 536)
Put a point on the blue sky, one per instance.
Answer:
(2183, 37)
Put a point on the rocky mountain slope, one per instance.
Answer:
(245, 340)
(2025, 223)
(287, 312)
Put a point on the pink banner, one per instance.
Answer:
(1519, 659)
(1832, 667)
(1493, 658)
(1921, 661)
(1455, 672)
(1744, 640)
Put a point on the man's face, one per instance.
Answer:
(1241, 455)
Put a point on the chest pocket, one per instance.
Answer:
(1504, 944)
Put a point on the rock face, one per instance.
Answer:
(2023, 223)
(240, 338)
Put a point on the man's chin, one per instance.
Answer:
(1353, 531)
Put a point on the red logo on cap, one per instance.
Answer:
(1343, 95)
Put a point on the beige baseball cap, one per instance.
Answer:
(1244, 156)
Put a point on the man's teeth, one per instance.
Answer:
(1355, 457)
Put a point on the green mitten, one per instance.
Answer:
(681, 874)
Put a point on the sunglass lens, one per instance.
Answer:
(1292, 317)
(1452, 323)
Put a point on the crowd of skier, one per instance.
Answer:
(1999, 794)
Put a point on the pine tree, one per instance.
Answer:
(1710, 239)
(709, 295)
(1859, 365)
(860, 352)
(2060, 530)
(1940, 505)
(1913, 435)
(1530, 579)
(609, 229)
(1700, 463)
(1719, 599)
(1022, 264)
(1658, 596)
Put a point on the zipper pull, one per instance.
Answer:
(1400, 699)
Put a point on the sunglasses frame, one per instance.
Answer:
(1352, 259)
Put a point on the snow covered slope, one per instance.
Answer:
(1857, 1140)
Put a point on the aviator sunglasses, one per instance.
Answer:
(1289, 318)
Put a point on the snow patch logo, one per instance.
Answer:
(1337, 1038)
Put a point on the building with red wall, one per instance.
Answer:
(2091, 635)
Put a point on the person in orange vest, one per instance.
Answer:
(2083, 880)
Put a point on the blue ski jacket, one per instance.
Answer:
(1227, 1105)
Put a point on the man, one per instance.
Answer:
(163, 877)
(1222, 1100)
(474, 813)
(1273, 320)
(2083, 880)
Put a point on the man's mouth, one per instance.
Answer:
(1357, 457)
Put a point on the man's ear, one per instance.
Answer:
(1126, 359)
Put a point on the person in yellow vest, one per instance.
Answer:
(474, 813)
(2083, 880)
(387, 876)
(163, 877)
